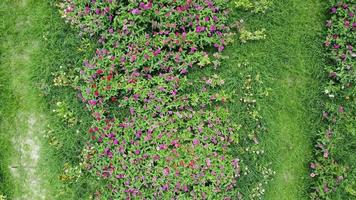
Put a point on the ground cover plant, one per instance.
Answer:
(333, 168)
(156, 133)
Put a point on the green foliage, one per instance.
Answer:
(256, 35)
(255, 6)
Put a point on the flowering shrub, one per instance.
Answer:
(333, 170)
(157, 134)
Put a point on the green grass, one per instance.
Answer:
(290, 61)
(34, 43)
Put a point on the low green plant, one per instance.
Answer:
(255, 6)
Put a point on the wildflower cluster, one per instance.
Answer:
(332, 170)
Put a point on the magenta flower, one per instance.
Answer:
(92, 102)
(146, 6)
(158, 51)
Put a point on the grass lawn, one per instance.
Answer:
(290, 61)
(35, 142)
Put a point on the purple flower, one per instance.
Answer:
(333, 10)
(336, 46)
(146, 6)
(183, 71)
(199, 29)
(120, 176)
(208, 163)
(212, 28)
(158, 51)
(135, 11)
(132, 111)
(165, 187)
(347, 24)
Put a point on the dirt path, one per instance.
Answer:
(26, 122)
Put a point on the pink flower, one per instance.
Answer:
(312, 165)
(92, 102)
(166, 171)
(326, 153)
(341, 109)
(183, 71)
(87, 9)
(312, 175)
(195, 141)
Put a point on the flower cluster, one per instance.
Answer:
(156, 134)
(333, 170)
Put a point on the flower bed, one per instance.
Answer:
(333, 170)
(157, 134)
